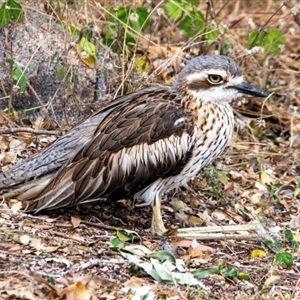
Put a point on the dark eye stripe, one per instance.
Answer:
(199, 84)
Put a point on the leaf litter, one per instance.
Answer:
(70, 254)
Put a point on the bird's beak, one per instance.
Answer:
(248, 89)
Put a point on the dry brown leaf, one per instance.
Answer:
(195, 220)
(17, 145)
(11, 247)
(194, 246)
(77, 291)
(37, 245)
(265, 178)
(135, 282)
(272, 280)
(75, 221)
(89, 60)
(296, 237)
(4, 143)
(9, 157)
(15, 205)
(295, 222)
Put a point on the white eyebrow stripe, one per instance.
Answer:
(205, 73)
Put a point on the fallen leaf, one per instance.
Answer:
(296, 237)
(272, 280)
(295, 222)
(258, 253)
(17, 145)
(135, 282)
(10, 157)
(265, 178)
(37, 245)
(75, 221)
(76, 291)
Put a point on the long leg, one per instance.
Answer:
(157, 225)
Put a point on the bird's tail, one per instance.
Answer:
(27, 190)
(55, 155)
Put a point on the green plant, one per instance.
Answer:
(216, 179)
(125, 23)
(189, 19)
(10, 10)
(19, 75)
(273, 188)
(283, 256)
(270, 39)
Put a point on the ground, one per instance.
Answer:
(105, 250)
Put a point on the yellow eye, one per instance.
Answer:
(215, 79)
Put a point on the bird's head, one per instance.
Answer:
(214, 78)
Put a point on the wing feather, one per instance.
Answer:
(132, 147)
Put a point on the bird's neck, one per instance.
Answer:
(203, 109)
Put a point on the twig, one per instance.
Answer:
(29, 130)
(100, 225)
(224, 232)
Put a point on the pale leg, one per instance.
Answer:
(157, 225)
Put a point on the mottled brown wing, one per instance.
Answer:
(64, 147)
(133, 146)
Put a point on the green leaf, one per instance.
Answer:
(287, 259)
(173, 9)
(162, 271)
(295, 245)
(136, 18)
(276, 244)
(150, 270)
(17, 12)
(20, 76)
(270, 39)
(243, 276)
(226, 49)
(88, 47)
(128, 235)
(10, 10)
(220, 265)
(133, 19)
(192, 25)
(212, 34)
(284, 257)
(186, 278)
(135, 259)
(143, 20)
(142, 66)
(138, 250)
(204, 272)
(60, 69)
(288, 235)
(87, 31)
(231, 272)
(163, 256)
(51, 280)
(116, 244)
(123, 236)
(4, 16)
(73, 31)
(222, 177)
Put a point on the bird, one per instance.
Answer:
(140, 145)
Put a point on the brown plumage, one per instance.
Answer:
(140, 145)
